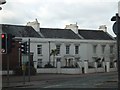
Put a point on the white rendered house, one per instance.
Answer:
(73, 45)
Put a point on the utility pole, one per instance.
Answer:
(29, 60)
(8, 62)
(116, 30)
(118, 48)
(49, 51)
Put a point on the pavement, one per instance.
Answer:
(20, 81)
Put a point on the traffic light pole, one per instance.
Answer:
(118, 48)
(29, 59)
(8, 69)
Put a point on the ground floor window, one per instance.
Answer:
(58, 59)
(39, 63)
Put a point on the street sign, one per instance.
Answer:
(115, 28)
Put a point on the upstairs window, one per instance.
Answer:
(94, 49)
(111, 48)
(67, 49)
(76, 49)
(58, 49)
(39, 49)
(103, 49)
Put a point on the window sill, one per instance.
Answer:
(40, 55)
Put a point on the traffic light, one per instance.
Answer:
(24, 47)
(10, 42)
(4, 43)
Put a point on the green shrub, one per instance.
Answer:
(91, 67)
(48, 65)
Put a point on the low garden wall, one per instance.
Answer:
(91, 70)
(100, 70)
(113, 69)
(47, 70)
(71, 71)
(62, 70)
(5, 72)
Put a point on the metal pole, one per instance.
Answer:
(23, 68)
(118, 48)
(8, 69)
(19, 57)
(29, 60)
(49, 51)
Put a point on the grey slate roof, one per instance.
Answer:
(20, 31)
(58, 33)
(95, 34)
(28, 31)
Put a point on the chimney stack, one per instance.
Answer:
(73, 27)
(103, 28)
(35, 24)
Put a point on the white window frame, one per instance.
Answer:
(103, 48)
(39, 63)
(58, 49)
(111, 49)
(39, 49)
(67, 49)
(76, 49)
(94, 49)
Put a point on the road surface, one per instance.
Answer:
(96, 80)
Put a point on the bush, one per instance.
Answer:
(99, 65)
(91, 67)
(19, 71)
(48, 65)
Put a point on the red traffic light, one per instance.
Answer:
(4, 43)
(3, 35)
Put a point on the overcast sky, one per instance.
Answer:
(89, 14)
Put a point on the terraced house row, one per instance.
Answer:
(74, 46)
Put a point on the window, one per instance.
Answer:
(76, 49)
(39, 49)
(67, 49)
(111, 49)
(94, 49)
(58, 59)
(103, 49)
(58, 49)
(39, 63)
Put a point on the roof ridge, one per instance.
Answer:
(15, 25)
(56, 28)
(90, 30)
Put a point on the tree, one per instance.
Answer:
(54, 52)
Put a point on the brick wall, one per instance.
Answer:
(13, 58)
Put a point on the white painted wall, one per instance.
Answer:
(85, 51)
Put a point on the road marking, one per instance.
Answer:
(52, 86)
